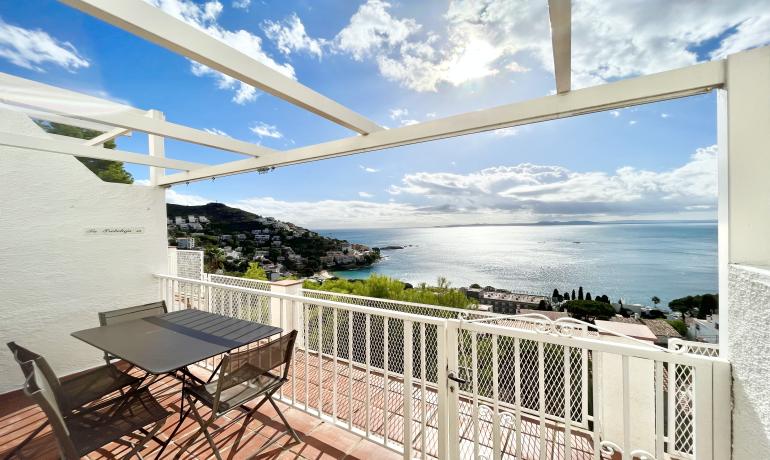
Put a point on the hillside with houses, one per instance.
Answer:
(232, 238)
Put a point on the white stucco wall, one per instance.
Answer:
(54, 277)
(749, 334)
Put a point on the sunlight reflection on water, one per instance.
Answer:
(633, 261)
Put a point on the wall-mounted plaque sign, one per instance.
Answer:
(115, 231)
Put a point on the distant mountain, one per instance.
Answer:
(237, 237)
(222, 217)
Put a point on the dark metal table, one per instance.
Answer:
(167, 344)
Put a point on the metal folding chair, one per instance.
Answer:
(80, 433)
(75, 393)
(243, 376)
(122, 315)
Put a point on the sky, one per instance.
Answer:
(399, 63)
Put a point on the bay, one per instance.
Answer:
(629, 261)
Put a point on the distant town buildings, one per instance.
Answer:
(185, 243)
(703, 330)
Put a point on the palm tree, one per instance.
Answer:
(214, 259)
(656, 300)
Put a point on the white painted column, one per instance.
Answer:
(745, 307)
(284, 317)
(157, 148)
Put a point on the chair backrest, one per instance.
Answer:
(23, 355)
(130, 313)
(40, 390)
(247, 365)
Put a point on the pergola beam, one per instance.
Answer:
(46, 116)
(154, 25)
(640, 90)
(55, 145)
(107, 136)
(560, 14)
(38, 96)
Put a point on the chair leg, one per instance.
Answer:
(173, 433)
(138, 446)
(26, 441)
(285, 422)
(204, 426)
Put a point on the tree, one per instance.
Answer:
(656, 300)
(474, 286)
(679, 325)
(580, 293)
(255, 272)
(589, 310)
(106, 170)
(708, 305)
(700, 305)
(566, 295)
(588, 296)
(214, 259)
(573, 295)
(555, 294)
(384, 287)
(542, 305)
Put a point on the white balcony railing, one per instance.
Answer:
(467, 384)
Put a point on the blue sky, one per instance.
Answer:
(406, 62)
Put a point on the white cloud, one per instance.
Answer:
(32, 49)
(506, 132)
(174, 197)
(216, 131)
(241, 4)
(430, 115)
(143, 182)
(611, 40)
(503, 194)
(331, 213)
(544, 190)
(396, 114)
(264, 130)
(632, 122)
(368, 169)
(290, 35)
(753, 32)
(615, 113)
(371, 28)
(664, 115)
(408, 121)
(205, 17)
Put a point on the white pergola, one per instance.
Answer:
(743, 81)
(144, 20)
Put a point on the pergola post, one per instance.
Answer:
(744, 288)
(156, 148)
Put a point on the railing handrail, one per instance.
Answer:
(409, 304)
(640, 351)
(309, 300)
(631, 350)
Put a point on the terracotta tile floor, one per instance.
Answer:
(263, 437)
(364, 395)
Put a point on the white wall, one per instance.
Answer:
(750, 358)
(745, 317)
(54, 278)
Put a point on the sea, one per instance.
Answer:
(628, 261)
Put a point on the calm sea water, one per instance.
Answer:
(629, 261)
